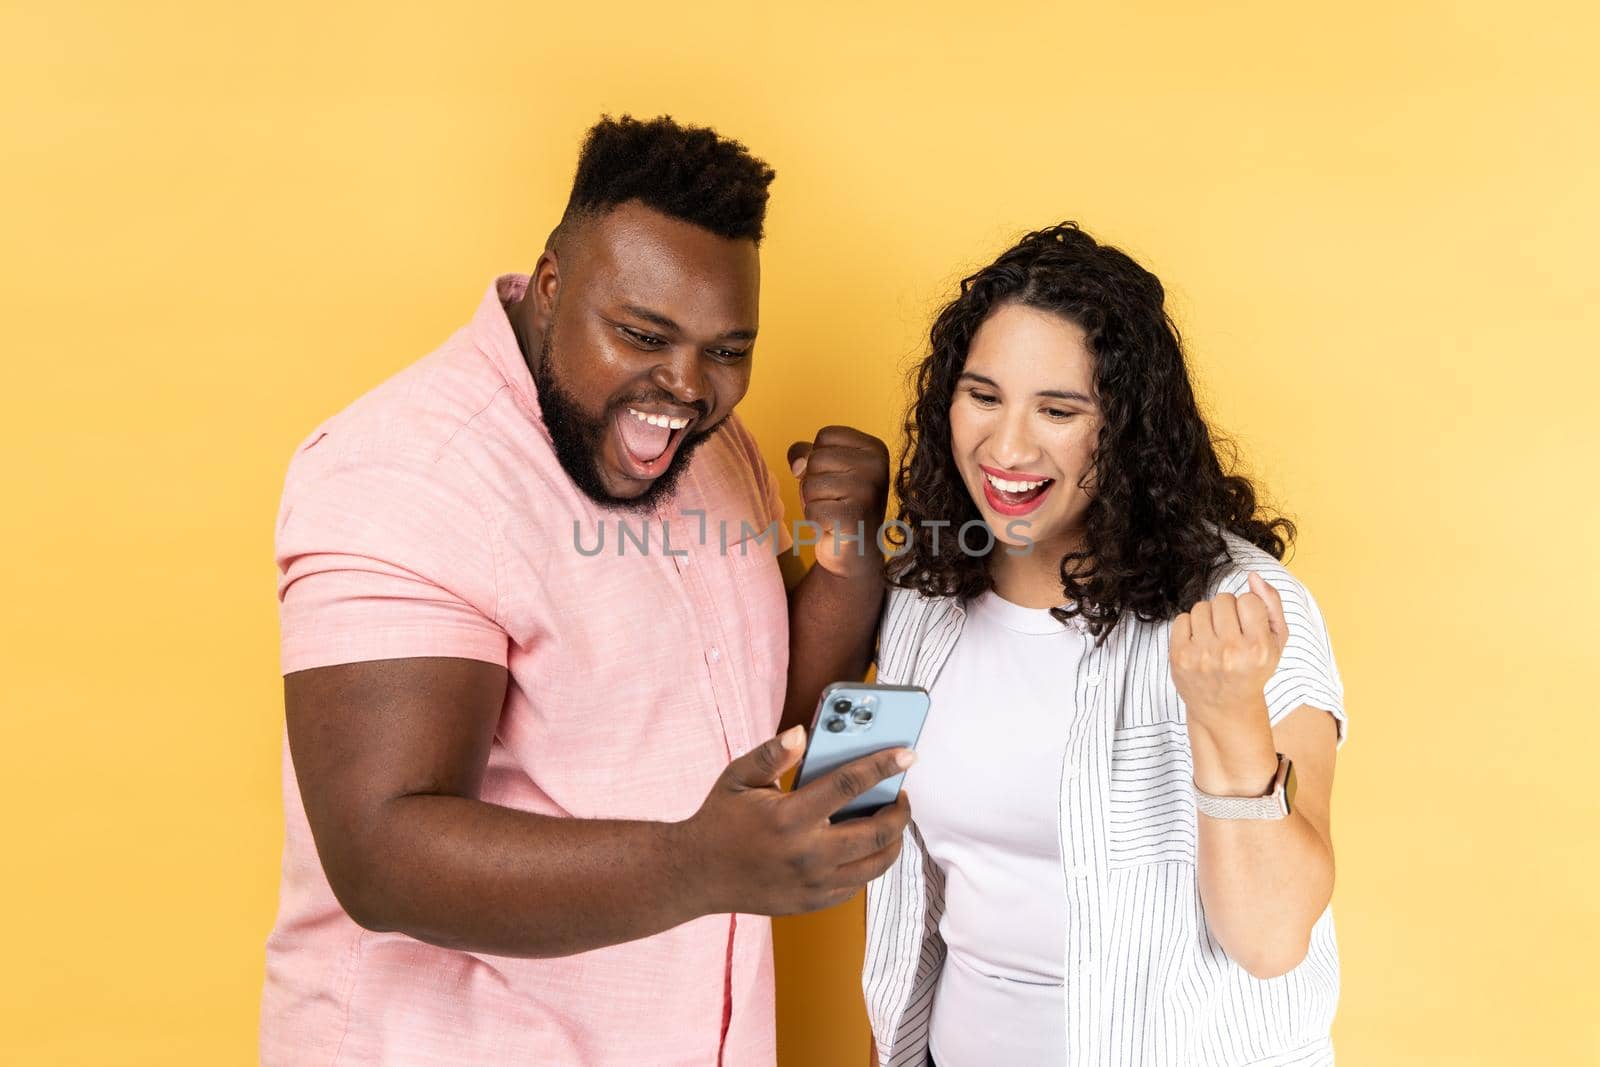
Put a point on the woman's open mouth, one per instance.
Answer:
(1013, 495)
(647, 440)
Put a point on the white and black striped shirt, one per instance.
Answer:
(1146, 983)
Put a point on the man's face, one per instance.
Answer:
(648, 326)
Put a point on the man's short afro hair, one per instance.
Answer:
(685, 172)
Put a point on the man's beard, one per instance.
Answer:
(577, 438)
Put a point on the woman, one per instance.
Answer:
(1119, 851)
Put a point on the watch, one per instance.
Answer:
(1274, 805)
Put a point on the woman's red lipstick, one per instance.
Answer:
(1010, 503)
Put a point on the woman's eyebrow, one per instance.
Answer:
(1058, 394)
(1064, 394)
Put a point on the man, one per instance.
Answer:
(530, 784)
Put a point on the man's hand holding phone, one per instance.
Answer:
(756, 849)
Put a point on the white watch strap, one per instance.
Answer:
(1271, 806)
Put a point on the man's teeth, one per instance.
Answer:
(1014, 487)
(663, 421)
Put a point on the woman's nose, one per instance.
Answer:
(1011, 446)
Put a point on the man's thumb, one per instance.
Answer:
(798, 453)
(766, 763)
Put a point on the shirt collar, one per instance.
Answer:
(491, 332)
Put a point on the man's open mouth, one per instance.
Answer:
(647, 440)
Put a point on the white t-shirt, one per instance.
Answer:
(985, 790)
(1146, 983)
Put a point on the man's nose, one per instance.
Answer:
(682, 376)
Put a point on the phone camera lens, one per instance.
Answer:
(835, 724)
(842, 705)
(862, 715)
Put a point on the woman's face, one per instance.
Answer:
(1024, 424)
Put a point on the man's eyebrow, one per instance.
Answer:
(652, 316)
(1059, 394)
(665, 323)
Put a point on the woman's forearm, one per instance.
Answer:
(1263, 882)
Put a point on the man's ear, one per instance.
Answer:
(543, 287)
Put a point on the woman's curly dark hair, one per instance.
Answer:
(1160, 499)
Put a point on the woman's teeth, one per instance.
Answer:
(663, 421)
(1014, 487)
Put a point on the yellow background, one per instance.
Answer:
(1378, 227)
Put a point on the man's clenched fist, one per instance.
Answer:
(844, 486)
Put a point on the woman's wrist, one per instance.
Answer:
(1238, 762)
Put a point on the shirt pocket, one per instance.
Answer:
(1151, 816)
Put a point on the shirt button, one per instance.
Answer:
(714, 656)
(1077, 872)
(1073, 771)
(1094, 679)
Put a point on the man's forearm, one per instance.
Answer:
(467, 875)
(832, 624)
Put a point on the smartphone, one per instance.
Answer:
(855, 719)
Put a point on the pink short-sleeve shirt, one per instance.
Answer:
(431, 518)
